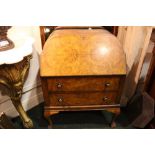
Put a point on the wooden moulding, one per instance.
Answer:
(49, 112)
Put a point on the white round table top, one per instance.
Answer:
(23, 47)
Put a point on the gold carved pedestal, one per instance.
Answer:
(12, 76)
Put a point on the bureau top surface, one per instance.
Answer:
(79, 52)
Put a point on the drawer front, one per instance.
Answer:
(82, 99)
(83, 84)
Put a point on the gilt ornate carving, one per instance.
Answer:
(5, 42)
(12, 76)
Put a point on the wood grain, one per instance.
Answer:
(82, 99)
(98, 83)
(82, 69)
(73, 52)
(55, 110)
(135, 40)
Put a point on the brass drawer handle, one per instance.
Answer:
(60, 100)
(107, 84)
(106, 100)
(59, 85)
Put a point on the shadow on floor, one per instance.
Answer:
(74, 120)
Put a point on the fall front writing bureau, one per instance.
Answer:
(82, 68)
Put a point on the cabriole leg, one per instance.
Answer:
(27, 122)
(13, 78)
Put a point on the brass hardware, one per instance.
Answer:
(13, 78)
(59, 85)
(107, 84)
(60, 100)
(106, 100)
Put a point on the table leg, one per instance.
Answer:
(116, 112)
(27, 122)
(13, 77)
(47, 115)
(113, 122)
(50, 124)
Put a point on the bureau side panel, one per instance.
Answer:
(44, 85)
(120, 90)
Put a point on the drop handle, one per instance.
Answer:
(60, 100)
(107, 84)
(106, 100)
(59, 85)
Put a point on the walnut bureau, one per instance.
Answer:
(82, 68)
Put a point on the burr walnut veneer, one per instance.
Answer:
(82, 69)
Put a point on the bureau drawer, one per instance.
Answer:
(83, 84)
(82, 99)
